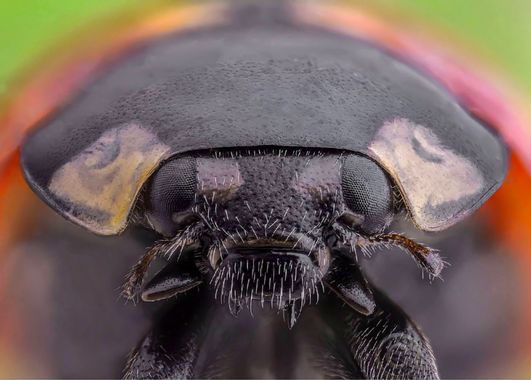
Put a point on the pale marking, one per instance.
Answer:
(219, 176)
(101, 183)
(321, 175)
(429, 174)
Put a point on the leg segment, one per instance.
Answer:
(388, 345)
(177, 277)
(171, 348)
(348, 282)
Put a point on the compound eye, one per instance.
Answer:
(170, 195)
(367, 193)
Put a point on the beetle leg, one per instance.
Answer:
(171, 349)
(176, 277)
(347, 281)
(388, 344)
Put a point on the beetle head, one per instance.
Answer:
(267, 220)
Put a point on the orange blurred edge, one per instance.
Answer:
(36, 95)
(488, 97)
(45, 88)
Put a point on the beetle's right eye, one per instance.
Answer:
(367, 194)
(170, 195)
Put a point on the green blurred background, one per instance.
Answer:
(499, 30)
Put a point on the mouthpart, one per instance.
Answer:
(277, 271)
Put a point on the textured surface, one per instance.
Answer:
(367, 192)
(272, 83)
(171, 189)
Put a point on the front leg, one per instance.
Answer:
(383, 345)
(171, 348)
(386, 344)
(373, 337)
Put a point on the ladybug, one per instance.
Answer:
(261, 151)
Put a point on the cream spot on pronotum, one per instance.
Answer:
(219, 177)
(320, 177)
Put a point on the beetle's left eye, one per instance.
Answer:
(170, 195)
(367, 193)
